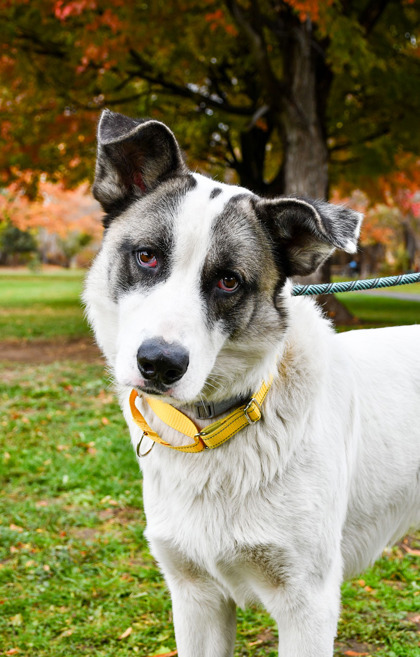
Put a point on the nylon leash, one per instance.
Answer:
(353, 286)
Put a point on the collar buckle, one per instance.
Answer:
(253, 411)
(204, 410)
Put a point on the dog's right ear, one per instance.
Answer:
(134, 156)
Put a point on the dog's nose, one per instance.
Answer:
(162, 362)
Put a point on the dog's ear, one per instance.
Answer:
(307, 232)
(134, 156)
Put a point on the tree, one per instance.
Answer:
(278, 90)
(15, 244)
(292, 95)
(63, 221)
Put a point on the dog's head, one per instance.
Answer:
(187, 294)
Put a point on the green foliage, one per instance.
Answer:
(14, 242)
(74, 243)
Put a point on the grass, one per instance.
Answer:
(377, 311)
(75, 571)
(44, 305)
(76, 577)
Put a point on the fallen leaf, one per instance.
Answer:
(66, 633)
(105, 421)
(410, 550)
(16, 620)
(127, 633)
(15, 528)
(165, 654)
(12, 651)
(353, 653)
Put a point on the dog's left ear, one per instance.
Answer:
(307, 232)
(134, 156)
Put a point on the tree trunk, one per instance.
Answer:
(296, 110)
(409, 243)
(305, 149)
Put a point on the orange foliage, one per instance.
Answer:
(374, 229)
(401, 188)
(217, 19)
(309, 9)
(63, 10)
(57, 210)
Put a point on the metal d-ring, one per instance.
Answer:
(138, 452)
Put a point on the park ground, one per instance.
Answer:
(76, 577)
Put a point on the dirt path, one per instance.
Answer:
(49, 351)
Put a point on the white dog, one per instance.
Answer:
(190, 302)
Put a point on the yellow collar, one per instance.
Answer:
(208, 438)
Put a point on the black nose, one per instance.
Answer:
(162, 362)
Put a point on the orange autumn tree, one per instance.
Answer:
(291, 95)
(288, 96)
(391, 228)
(61, 221)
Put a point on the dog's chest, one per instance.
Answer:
(241, 550)
(246, 542)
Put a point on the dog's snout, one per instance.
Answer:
(162, 362)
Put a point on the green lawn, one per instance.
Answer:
(75, 572)
(44, 305)
(377, 311)
(47, 305)
(76, 577)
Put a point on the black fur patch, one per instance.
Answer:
(147, 223)
(215, 192)
(240, 246)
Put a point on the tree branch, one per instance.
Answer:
(375, 135)
(372, 12)
(253, 32)
(145, 72)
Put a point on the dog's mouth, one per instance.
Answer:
(155, 390)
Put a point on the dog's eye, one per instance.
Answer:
(146, 258)
(228, 283)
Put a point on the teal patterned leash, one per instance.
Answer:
(353, 286)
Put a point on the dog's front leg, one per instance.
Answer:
(204, 619)
(307, 618)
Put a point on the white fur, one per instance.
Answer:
(286, 509)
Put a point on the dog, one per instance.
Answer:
(190, 301)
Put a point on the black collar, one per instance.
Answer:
(205, 410)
